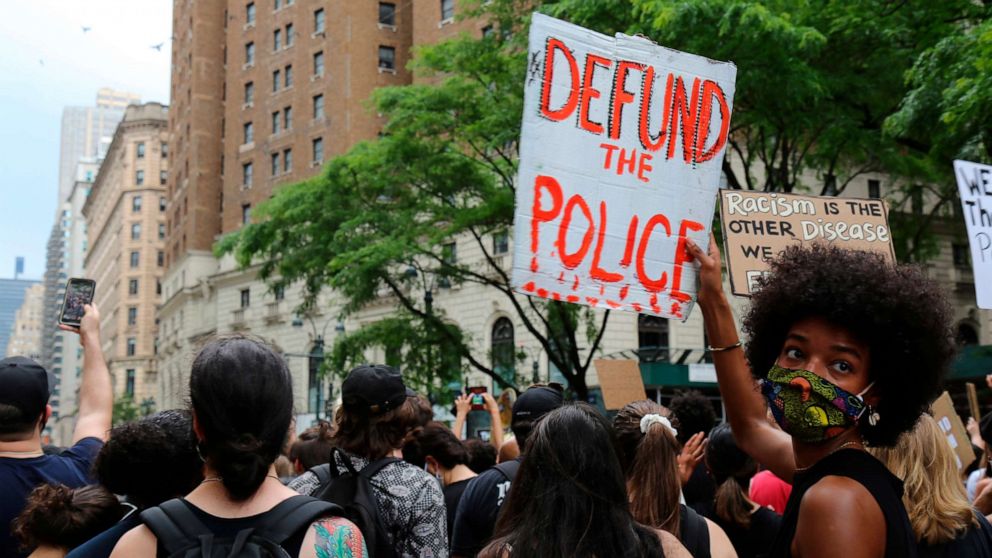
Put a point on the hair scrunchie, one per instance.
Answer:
(650, 419)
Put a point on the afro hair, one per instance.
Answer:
(896, 310)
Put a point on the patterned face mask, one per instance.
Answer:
(808, 407)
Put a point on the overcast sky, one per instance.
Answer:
(48, 62)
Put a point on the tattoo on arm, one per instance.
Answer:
(339, 538)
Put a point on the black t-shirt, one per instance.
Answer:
(976, 542)
(476, 514)
(701, 488)
(886, 488)
(452, 495)
(755, 540)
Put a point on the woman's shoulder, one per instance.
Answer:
(333, 536)
(139, 541)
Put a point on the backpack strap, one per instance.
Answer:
(695, 534)
(323, 473)
(374, 467)
(293, 514)
(175, 526)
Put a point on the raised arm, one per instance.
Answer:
(746, 409)
(96, 397)
(462, 406)
(496, 432)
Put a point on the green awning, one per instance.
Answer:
(656, 374)
(973, 361)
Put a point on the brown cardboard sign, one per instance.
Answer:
(620, 381)
(973, 407)
(759, 225)
(953, 429)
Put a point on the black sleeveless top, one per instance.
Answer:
(230, 527)
(900, 542)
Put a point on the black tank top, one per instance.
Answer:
(900, 542)
(230, 527)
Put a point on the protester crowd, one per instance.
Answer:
(828, 450)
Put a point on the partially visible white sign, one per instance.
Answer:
(702, 372)
(975, 187)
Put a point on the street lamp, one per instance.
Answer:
(535, 355)
(315, 357)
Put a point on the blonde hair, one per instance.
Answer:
(934, 497)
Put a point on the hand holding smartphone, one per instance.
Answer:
(78, 293)
(478, 402)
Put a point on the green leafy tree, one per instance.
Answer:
(125, 410)
(383, 223)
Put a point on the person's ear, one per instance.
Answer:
(432, 465)
(43, 420)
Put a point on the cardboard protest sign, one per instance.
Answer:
(973, 408)
(758, 225)
(620, 381)
(620, 155)
(950, 424)
(975, 187)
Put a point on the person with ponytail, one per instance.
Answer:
(648, 450)
(750, 527)
(242, 405)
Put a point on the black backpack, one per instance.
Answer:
(183, 535)
(353, 492)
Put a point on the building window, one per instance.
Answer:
(132, 315)
(246, 172)
(275, 122)
(318, 21)
(245, 298)
(287, 118)
(158, 286)
(135, 258)
(447, 9)
(279, 292)
(318, 106)
(961, 255)
(287, 160)
(249, 131)
(503, 350)
(160, 259)
(136, 231)
(275, 163)
(249, 92)
(289, 75)
(449, 254)
(967, 335)
(163, 176)
(136, 204)
(487, 31)
(276, 4)
(652, 338)
(165, 150)
(874, 189)
(387, 13)
(501, 243)
(132, 348)
(245, 213)
(250, 54)
(129, 385)
(139, 177)
(277, 39)
(132, 287)
(276, 79)
(318, 63)
(289, 35)
(318, 150)
(250, 13)
(162, 203)
(161, 231)
(140, 150)
(387, 58)
(916, 199)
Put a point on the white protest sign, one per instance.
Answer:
(620, 159)
(975, 187)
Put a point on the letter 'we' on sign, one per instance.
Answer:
(620, 160)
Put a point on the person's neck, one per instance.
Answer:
(809, 454)
(212, 497)
(29, 447)
(456, 474)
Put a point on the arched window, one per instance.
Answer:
(503, 350)
(967, 335)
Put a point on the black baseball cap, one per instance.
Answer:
(24, 385)
(374, 389)
(536, 402)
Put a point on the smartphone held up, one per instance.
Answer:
(78, 293)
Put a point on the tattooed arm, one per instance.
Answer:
(334, 537)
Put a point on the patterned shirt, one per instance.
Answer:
(410, 503)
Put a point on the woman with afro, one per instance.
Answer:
(848, 351)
